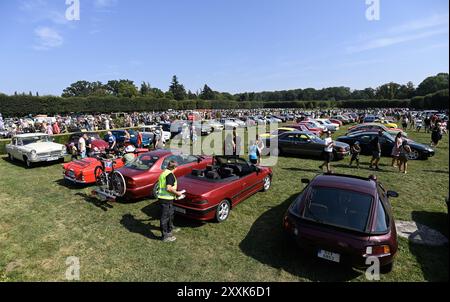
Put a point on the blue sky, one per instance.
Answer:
(232, 45)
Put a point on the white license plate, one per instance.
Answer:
(52, 158)
(180, 210)
(329, 256)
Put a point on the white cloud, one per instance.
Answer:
(47, 38)
(410, 31)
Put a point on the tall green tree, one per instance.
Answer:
(433, 84)
(207, 93)
(177, 89)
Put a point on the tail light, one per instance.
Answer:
(378, 250)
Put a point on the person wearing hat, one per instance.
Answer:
(355, 151)
(129, 154)
(167, 193)
(328, 152)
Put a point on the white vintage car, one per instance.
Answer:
(35, 147)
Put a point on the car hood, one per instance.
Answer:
(418, 146)
(341, 144)
(44, 147)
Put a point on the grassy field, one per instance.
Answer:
(43, 221)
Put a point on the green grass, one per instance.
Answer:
(42, 222)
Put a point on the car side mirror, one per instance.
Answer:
(305, 181)
(392, 194)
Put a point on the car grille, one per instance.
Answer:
(50, 154)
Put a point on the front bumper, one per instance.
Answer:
(74, 180)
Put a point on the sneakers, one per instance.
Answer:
(169, 239)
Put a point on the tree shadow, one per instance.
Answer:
(433, 260)
(103, 205)
(271, 246)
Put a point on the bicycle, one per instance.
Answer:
(111, 183)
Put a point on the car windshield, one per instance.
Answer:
(337, 207)
(35, 139)
(142, 162)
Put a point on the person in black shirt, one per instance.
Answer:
(376, 151)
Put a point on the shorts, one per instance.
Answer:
(403, 158)
(253, 161)
(376, 154)
(328, 156)
(355, 156)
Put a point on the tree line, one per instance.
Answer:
(123, 95)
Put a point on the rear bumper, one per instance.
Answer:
(74, 180)
(204, 214)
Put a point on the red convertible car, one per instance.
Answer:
(84, 171)
(141, 175)
(212, 192)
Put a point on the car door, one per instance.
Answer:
(364, 142)
(286, 143)
(249, 183)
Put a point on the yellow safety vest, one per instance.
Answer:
(162, 192)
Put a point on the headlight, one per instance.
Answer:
(33, 153)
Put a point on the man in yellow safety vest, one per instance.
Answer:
(167, 193)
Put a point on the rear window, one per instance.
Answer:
(381, 219)
(142, 162)
(337, 207)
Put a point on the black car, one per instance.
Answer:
(387, 141)
(304, 144)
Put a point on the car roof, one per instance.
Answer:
(297, 132)
(25, 135)
(346, 182)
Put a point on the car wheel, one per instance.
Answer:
(413, 155)
(223, 211)
(267, 182)
(118, 184)
(100, 176)
(28, 163)
(155, 190)
(385, 269)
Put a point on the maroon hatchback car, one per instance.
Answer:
(344, 219)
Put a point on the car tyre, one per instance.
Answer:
(28, 163)
(267, 182)
(414, 155)
(385, 269)
(99, 176)
(223, 211)
(155, 190)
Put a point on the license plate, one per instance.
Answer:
(180, 210)
(52, 158)
(329, 256)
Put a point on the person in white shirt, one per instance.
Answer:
(82, 146)
(328, 152)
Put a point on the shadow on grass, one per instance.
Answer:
(139, 226)
(103, 205)
(269, 245)
(433, 260)
(70, 185)
(437, 171)
(21, 164)
(153, 211)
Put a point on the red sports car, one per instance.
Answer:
(84, 171)
(303, 128)
(311, 128)
(141, 176)
(212, 192)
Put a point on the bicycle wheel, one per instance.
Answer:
(118, 183)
